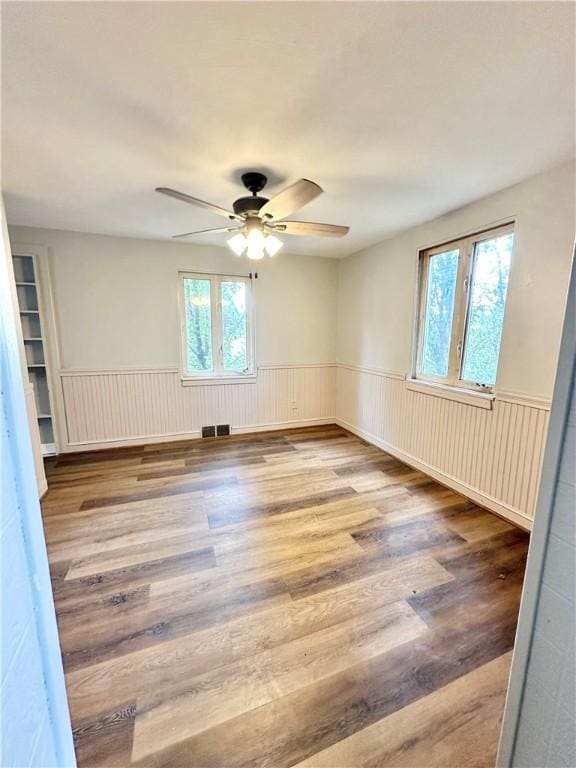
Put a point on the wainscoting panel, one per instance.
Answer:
(494, 456)
(134, 405)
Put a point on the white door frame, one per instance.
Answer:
(22, 478)
(540, 531)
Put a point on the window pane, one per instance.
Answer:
(486, 309)
(442, 274)
(198, 325)
(233, 297)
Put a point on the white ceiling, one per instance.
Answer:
(400, 111)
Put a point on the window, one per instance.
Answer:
(216, 323)
(463, 289)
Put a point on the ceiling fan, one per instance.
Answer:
(259, 219)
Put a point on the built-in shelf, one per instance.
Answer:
(30, 306)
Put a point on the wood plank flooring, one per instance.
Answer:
(295, 598)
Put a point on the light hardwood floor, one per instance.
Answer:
(294, 598)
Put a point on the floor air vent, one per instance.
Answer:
(221, 430)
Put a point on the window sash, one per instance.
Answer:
(216, 327)
(466, 263)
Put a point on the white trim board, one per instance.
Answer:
(439, 390)
(131, 441)
(246, 430)
(174, 369)
(459, 394)
(193, 435)
(376, 371)
(521, 399)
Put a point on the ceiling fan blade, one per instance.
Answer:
(200, 203)
(310, 229)
(290, 199)
(208, 231)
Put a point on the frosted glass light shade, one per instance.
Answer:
(238, 244)
(272, 245)
(255, 245)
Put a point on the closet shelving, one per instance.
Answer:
(25, 272)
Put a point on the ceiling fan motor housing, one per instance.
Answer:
(249, 206)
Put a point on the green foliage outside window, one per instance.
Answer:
(233, 297)
(480, 338)
(486, 309)
(442, 273)
(199, 319)
(198, 324)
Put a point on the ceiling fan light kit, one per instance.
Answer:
(272, 245)
(260, 217)
(238, 244)
(255, 245)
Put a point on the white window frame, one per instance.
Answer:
(218, 374)
(466, 259)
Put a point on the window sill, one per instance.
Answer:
(207, 381)
(467, 396)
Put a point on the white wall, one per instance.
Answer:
(493, 456)
(377, 287)
(115, 299)
(117, 327)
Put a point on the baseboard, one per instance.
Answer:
(513, 516)
(193, 435)
(130, 441)
(282, 425)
